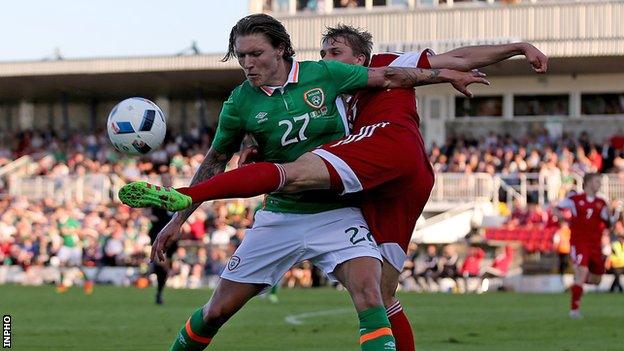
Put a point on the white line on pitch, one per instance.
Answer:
(297, 319)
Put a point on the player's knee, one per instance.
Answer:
(308, 172)
(296, 177)
(388, 298)
(366, 294)
(216, 314)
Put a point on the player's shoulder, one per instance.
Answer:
(383, 59)
(602, 200)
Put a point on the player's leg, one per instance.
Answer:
(401, 328)
(247, 181)
(342, 246)
(362, 278)
(203, 324)
(161, 270)
(268, 250)
(581, 273)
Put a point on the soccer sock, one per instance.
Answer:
(577, 292)
(401, 328)
(375, 332)
(195, 335)
(247, 181)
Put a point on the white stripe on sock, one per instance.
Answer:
(394, 309)
(282, 174)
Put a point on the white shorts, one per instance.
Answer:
(394, 254)
(277, 241)
(70, 256)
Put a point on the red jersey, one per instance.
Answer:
(589, 217)
(370, 106)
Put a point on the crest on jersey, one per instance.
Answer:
(233, 263)
(314, 97)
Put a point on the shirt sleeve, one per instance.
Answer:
(230, 130)
(346, 77)
(419, 59)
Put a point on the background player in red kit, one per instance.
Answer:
(385, 155)
(589, 217)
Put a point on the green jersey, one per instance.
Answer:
(290, 120)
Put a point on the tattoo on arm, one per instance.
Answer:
(410, 77)
(213, 164)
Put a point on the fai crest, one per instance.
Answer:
(314, 97)
(233, 263)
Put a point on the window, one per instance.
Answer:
(542, 105)
(348, 3)
(308, 5)
(602, 104)
(480, 106)
(391, 3)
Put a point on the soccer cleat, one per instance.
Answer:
(61, 289)
(575, 314)
(142, 194)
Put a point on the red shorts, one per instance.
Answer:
(389, 161)
(590, 257)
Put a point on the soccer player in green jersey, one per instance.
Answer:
(289, 107)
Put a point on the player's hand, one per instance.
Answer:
(248, 155)
(167, 236)
(536, 58)
(461, 80)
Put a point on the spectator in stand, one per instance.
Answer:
(448, 264)
(498, 269)
(616, 259)
(471, 268)
(561, 242)
(222, 233)
(429, 273)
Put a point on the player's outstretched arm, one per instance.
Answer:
(473, 57)
(402, 77)
(213, 164)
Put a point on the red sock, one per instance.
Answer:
(577, 292)
(247, 181)
(401, 328)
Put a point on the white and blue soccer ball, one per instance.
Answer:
(136, 126)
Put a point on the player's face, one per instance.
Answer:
(595, 184)
(338, 50)
(259, 59)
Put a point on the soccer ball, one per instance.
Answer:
(136, 126)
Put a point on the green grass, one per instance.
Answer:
(126, 319)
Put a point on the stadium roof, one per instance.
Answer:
(189, 75)
(112, 77)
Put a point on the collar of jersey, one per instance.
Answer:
(293, 77)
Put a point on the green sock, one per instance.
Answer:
(195, 335)
(375, 331)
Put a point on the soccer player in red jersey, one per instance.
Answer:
(385, 156)
(589, 216)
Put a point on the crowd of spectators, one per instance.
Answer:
(33, 232)
(431, 270)
(536, 153)
(46, 233)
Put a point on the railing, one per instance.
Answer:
(449, 188)
(459, 187)
(94, 188)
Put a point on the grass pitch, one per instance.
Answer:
(127, 319)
